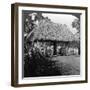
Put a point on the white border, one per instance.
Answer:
(54, 78)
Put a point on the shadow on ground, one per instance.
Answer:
(60, 65)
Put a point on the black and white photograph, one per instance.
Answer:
(49, 44)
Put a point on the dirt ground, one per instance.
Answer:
(53, 66)
(67, 65)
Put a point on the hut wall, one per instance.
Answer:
(64, 48)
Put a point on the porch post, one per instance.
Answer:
(55, 46)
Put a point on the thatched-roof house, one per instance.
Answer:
(58, 34)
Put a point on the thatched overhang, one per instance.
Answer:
(47, 30)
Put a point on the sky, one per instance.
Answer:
(62, 19)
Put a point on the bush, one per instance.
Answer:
(39, 65)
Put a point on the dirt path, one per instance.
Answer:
(68, 65)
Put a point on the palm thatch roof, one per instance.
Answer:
(47, 30)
